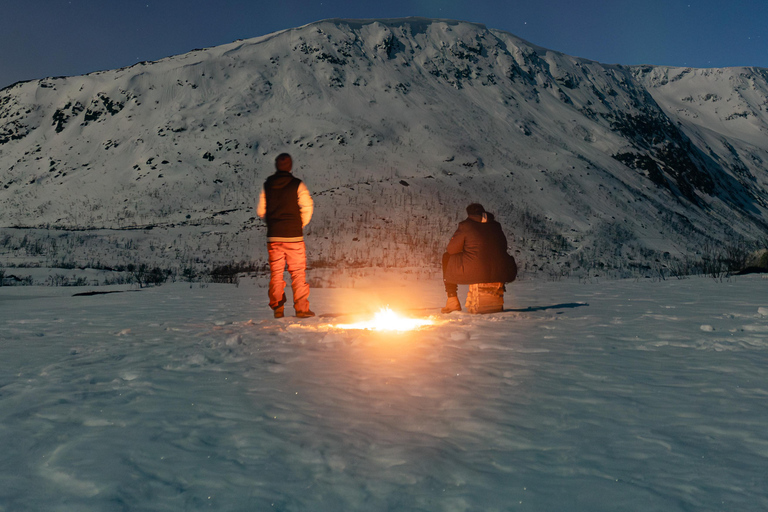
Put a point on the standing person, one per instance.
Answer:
(477, 253)
(286, 206)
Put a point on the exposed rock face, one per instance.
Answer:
(395, 125)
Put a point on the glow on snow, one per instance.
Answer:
(388, 320)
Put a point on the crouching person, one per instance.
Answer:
(477, 253)
(286, 206)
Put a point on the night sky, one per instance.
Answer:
(41, 38)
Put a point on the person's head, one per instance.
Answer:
(283, 162)
(475, 209)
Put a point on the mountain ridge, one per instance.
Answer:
(394, 125)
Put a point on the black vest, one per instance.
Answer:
(283, 215)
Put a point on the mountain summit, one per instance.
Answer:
(395, 125)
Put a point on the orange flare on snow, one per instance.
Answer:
(388, 320)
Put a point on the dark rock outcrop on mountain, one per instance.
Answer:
(585, 164)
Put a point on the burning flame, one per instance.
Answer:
(388, 320)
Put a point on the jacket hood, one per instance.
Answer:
(485, 217)
(280, 179)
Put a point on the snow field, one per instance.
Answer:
(582, 396)
(395, 126)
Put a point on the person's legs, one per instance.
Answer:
(276, 282)
(451, 290)
(296, 256)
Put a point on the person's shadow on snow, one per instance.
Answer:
(569, 305)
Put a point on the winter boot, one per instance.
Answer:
(451, 305)
(280, 308)
(305, 314)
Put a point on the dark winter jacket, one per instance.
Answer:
(286, 206)
(478, 253)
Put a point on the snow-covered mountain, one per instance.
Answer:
(395, 125)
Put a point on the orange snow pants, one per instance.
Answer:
(294, 256)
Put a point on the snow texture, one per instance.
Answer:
(395, 126)
(582, 396)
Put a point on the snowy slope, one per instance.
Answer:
(602, 396)
(395, 125)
